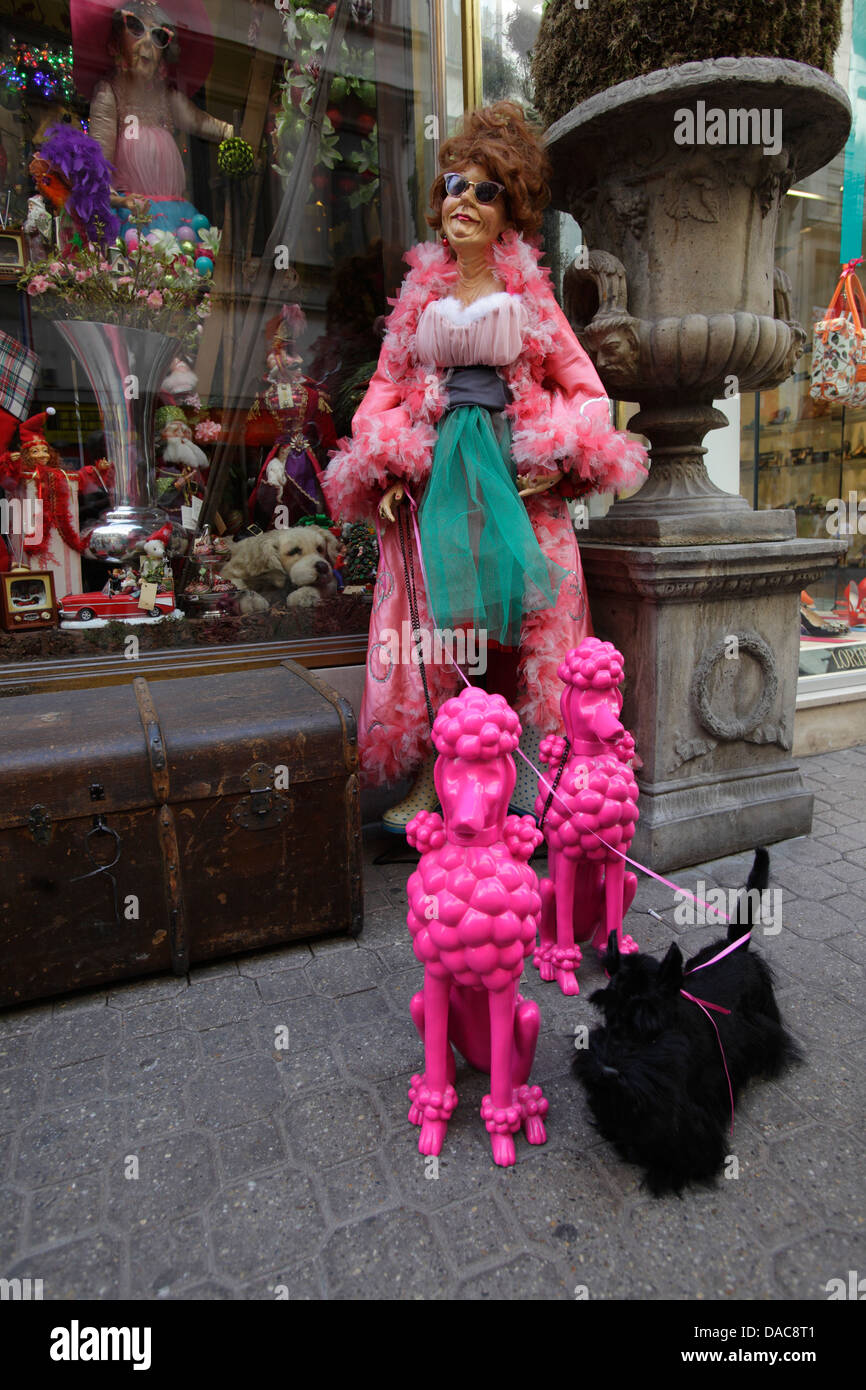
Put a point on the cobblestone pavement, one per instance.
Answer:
(268, 1171)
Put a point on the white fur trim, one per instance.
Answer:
(462, 314)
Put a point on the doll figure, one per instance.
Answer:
(485, 408)
(294, 418)
(135, 111)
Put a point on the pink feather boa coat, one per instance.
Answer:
(559, 420)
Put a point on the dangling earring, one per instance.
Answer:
(445, 241)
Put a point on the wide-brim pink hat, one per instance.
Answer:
(91, 32)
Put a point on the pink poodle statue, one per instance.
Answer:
(588, 892)
(473, 915)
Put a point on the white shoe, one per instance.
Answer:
(420, 797)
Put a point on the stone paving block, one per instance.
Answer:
(679, 1235)
(477, 1231)
(225, 999)
(14, 1049)
(856, 856)
(804, 879)
(304, 1285)
(388, 1047)
(20, 1090)
(78, 1082)
(314, 1067)
(332, 946)
(153, 1106)
(228, 1041)
(357, 1188)
(26, 1019)
(813, 1015)
(69, 1141)
(166, 1257)
(207, 1291)
(284, 984)
(149, 991)
(77, 1037)
(250, 1148)
(159, 1017)
(824, 1166)
(829, 1086)
(176, 1176)
(344, 972)
(302, 1023)
(213, 970)
(395, 1256)
(65, 1209)
(806, 1267)
(848, 983)
(89, 1268)
(223, 1095)
(366, 1007)
(260, 963)
(537, 1280)
(264, 1223)
(330, 1127)
(850, 945)
(815, 920)
(12, 1207)
(6, 1141)
(403, 984)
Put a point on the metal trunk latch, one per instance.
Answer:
(39, 824)
(264, 806)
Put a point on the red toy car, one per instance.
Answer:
(82, 607)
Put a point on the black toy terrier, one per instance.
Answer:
(655, 1072)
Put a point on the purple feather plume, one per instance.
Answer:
(83, 165)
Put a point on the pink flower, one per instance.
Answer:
(155, 300)
(125, 280)
(57, 267)
(38, 285)
(83, 275)
(206, 431)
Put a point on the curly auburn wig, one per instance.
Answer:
(502, 141)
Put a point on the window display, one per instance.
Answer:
(208, 204)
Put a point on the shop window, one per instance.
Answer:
(282, 155)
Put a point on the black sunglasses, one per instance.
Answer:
(160, 37)
(487, 191)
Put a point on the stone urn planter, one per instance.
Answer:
(676, 178)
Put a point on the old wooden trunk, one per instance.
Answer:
(147, 826)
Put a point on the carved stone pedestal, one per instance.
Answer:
(710, 635)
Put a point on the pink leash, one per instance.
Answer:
(703, 1004)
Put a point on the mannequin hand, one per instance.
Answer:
(530, 489)
(394, 494)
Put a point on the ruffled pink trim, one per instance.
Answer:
(583, 445)
(384, 447)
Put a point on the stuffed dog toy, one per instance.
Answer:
(656, 1074)
(294, 565)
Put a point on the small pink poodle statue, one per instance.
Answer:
(473, 915)
(588, 892)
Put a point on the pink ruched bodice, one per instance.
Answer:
(489, 331)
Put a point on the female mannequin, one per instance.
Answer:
(486, 406)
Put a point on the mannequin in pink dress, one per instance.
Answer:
(135, 111)
(486, 411)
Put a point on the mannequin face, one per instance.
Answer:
(138, 53)
(468, 224)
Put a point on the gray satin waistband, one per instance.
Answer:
(481, 386)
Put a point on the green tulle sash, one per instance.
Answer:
(483, 564)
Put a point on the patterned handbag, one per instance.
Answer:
(838, 343)
(857, 394)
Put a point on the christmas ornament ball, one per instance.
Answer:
(235, 157)
(204, 265)
(200, 223)
(184, 233)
